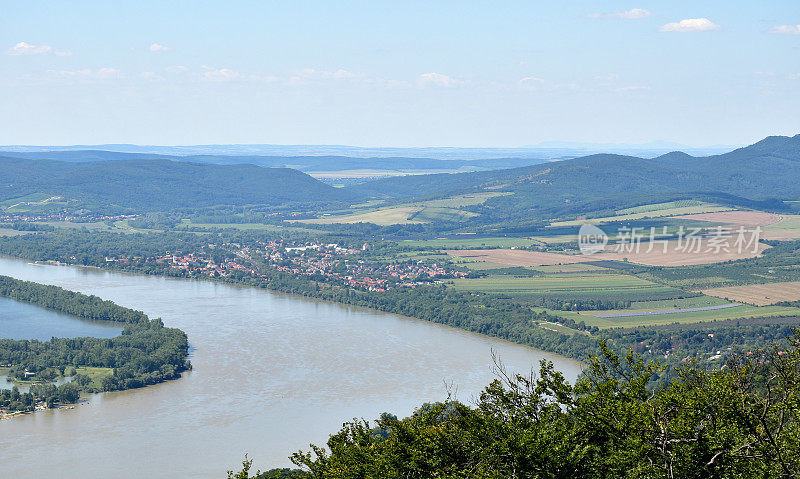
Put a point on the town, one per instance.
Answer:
(322, 262)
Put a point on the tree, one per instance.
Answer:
(742, 421)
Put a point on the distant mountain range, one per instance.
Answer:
(664, 146)
(542, 151)
(302, 163)
(769, 169)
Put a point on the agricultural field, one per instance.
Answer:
(647, 211)
(398, 215)
(668, 253)
(477, 265)
(568, 268)
(683, 303)
(431, 214)
(463, 200)
(660, 206)
(759, 294)
(556, 238)
(248, 227)
(673, 254)
(733, 313)
(748, 219)
(779, 264)
(446, 209)
(471, 241)
(594, 286)
(737, 312)
(10, 232)
(787, 228)
(515, 257)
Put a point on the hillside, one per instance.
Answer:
(766, 170)
(162, 184)
(307, 163)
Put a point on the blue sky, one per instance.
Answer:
(462, 73)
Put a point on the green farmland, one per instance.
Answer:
(470, 242)
(738, 312)
(572, 286)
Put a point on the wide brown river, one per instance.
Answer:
(272, 372)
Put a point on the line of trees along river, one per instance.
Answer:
(145, 353)
(272, 372)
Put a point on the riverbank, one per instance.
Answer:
(467, 311)
(272, 372)
(39, 407)
(146, 352)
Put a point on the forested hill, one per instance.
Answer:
(307, 163)
(162, 184)
(767, 169)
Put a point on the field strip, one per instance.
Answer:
(666, 253)
(667, 311)
(514, 257)
(670, 212)
(759, 294)
(788, 228)
(738, 218)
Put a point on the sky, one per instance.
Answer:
(402, 73)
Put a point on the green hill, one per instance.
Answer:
(765, 171)
(162, 184)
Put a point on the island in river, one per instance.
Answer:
(146, 352)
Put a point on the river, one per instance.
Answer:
(272, 372)
(25, 321)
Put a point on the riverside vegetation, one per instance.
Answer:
(508, 317)
(146, 352)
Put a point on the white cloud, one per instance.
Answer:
(221, 74)
(177, 69)
(152, 76)
(691, 25)
(308, 75)
(156, 47)
(85, 73)
(531, 83)
(106, 73)
(795, 76)
(23, 48)
(786, 29)
(343, 74)
(437, 79)
(632, 14)
(63, 53)
(634, 88)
